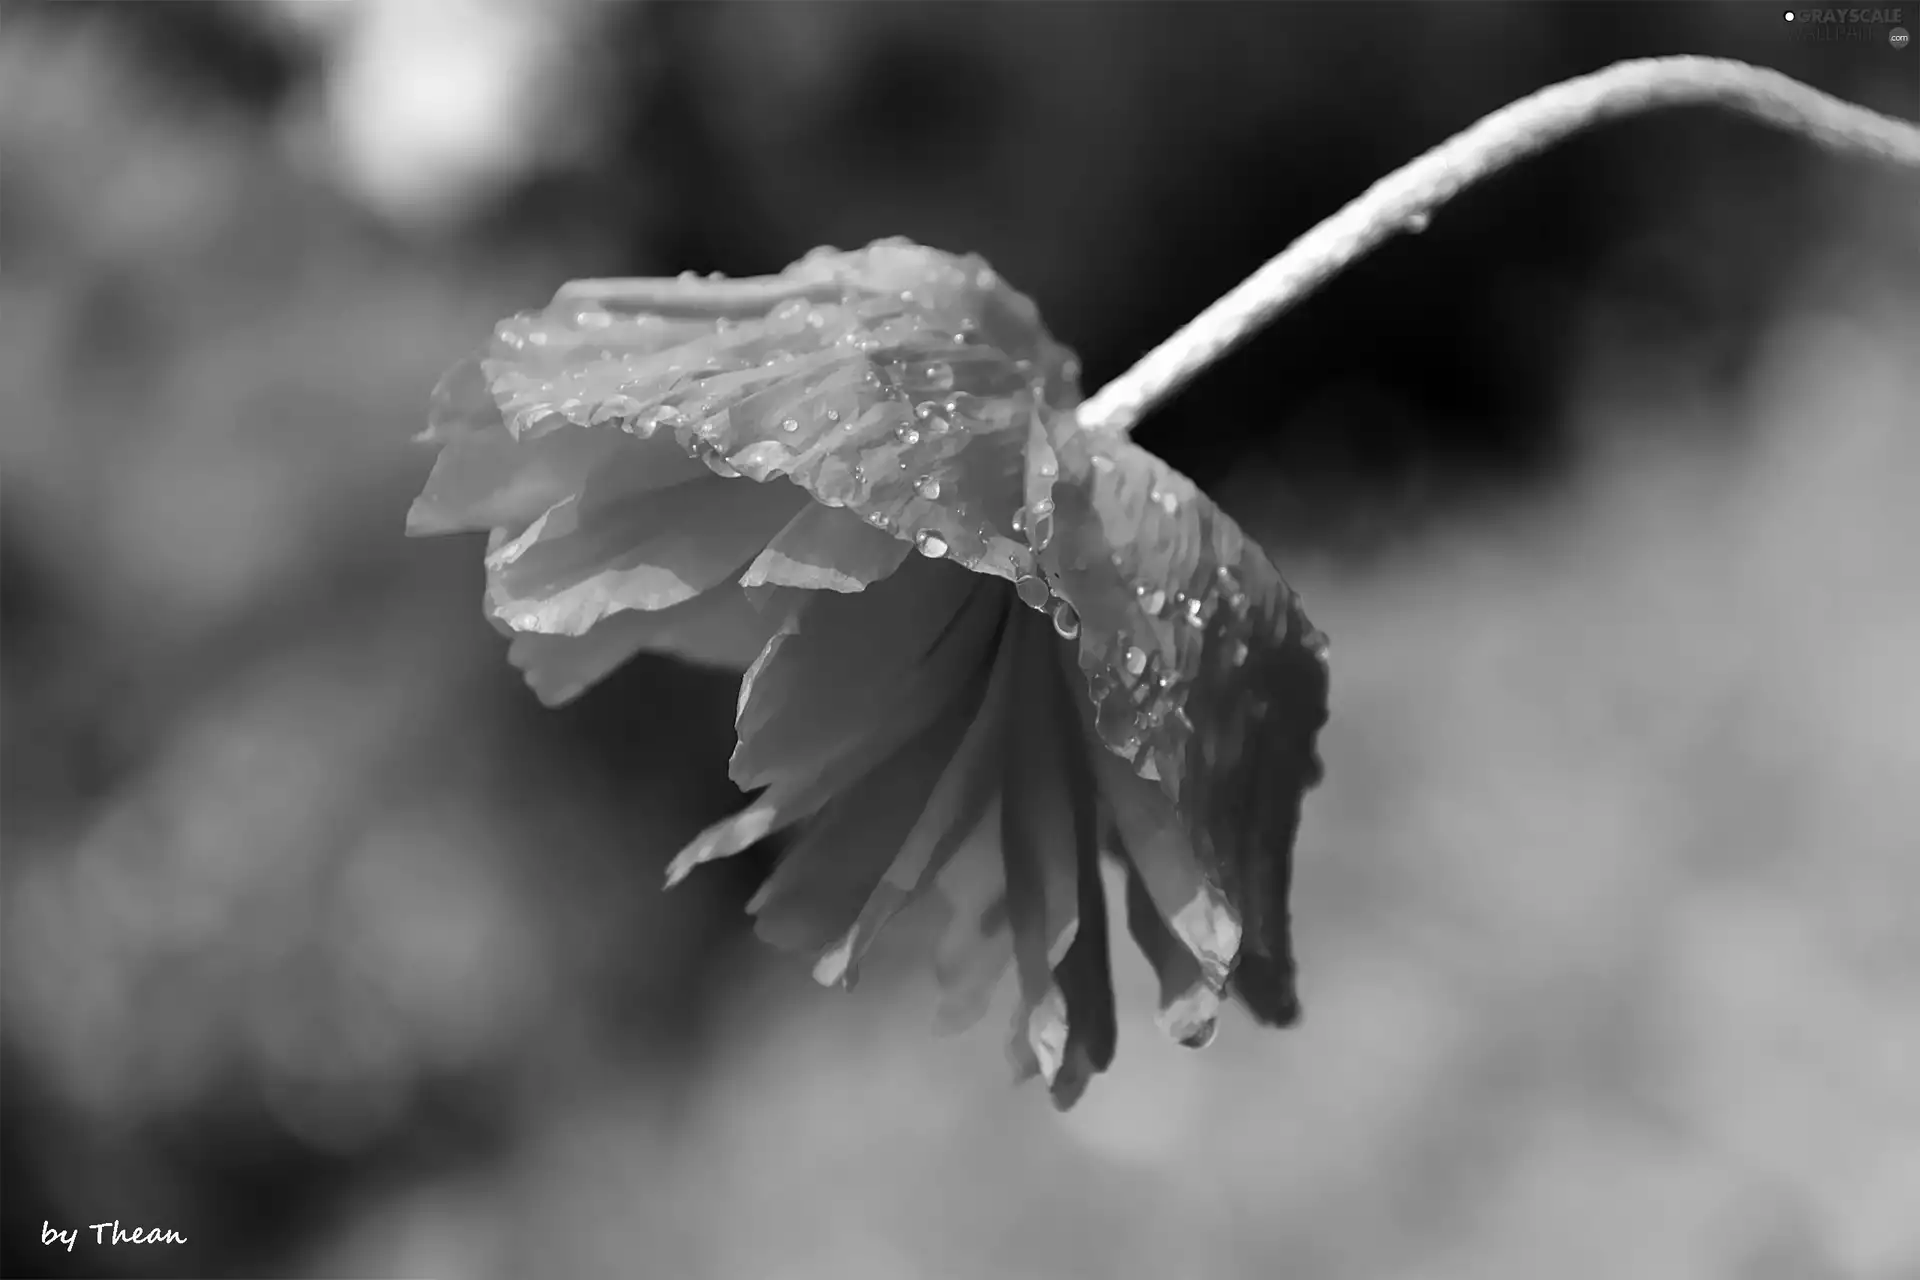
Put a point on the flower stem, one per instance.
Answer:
(1404, 198)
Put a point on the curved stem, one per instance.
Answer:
(1404, 198)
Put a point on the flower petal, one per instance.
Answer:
(584, 559)
(1203, 674)
(1155, 840)
(818, 890)
(716, 628)
(896, 381)
(864, 669)
(826, 549)
(1083, 976)
(976, 946)
(1189, 1004)
(968, 786)
(1037, 843)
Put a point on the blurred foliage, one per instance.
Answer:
(324, 946)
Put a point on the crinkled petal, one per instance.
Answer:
(826, 549)
(718, 628)
(1189, 1003)
(976, 946)
(1154, 837)
(896, 381)
(584, 559)
(484, 478)
(1083, 976)
(1203, 674)
(967, 786)
(818, 890)
(863, 670)
(1037, 843)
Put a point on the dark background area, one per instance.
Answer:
(328, 948)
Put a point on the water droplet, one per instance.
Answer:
(878, 519)
(859, 471)
(927, 487)
(937, 374)
(593, 317)
(1102, 463)
(831, 415)
(1020, 520)
(790, 425)
(931, 544)
(906, 435)
(719, 466)
(721, 324)
(1238, 603)
(1033, 592)
(1041, 507)
(791, 309)
(1196, 612)
(1152, 599)
(1237, 654)
(1066, 620)
(538, 338)
(1136, 660)
(985, 278)
(1419, 221)
(816, 319)
(1169, 503)
(688, 275)
(507, 336)
(1040, 530)
(1049, 467)
(661, 415)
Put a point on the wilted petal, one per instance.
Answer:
(969, 784)
(819, 889)
(1083, 976)
(1154, 838)
(976, 946)
(1204, 675)
(1189, 1003)
(825, 548)
(895, 381)
(863, 671)
(585, 559)
(716, 628)
(1037, 841)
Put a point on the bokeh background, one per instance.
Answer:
(326, 947)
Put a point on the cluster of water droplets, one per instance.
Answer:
(873, 399)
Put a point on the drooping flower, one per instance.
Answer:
(987, 646)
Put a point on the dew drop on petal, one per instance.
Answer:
(1048, 468)
(1033, 591)
(1152, 599)
(938, 374)
(1066, 620)
(719, 466)
(907, 435)
(931, 544)
(1196, 612)
(1020, 520)
(927, 487)
(1042, 507)
(1040, 535)
(790, 425)
(831, 415)
(1169, 503)
(877, 519)
(1102, 463)
(1136, 660)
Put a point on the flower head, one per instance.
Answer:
(987, 645)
